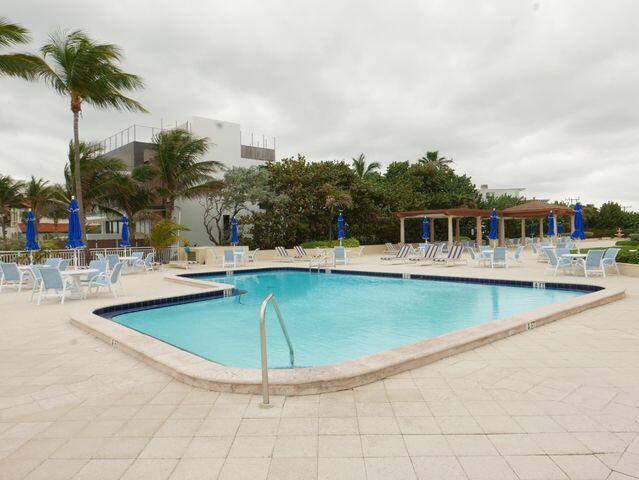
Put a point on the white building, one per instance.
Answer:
(487, 193)
(133, 146)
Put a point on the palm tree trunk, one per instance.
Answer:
(169, 206)
(4, 228)
(77, 172)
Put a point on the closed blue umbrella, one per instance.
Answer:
(125, 233)
(75, 232)
(560, 228)
(532, 229)
(340, 228)
(425, 231)
(493, 234)
(551, 224)
(32, 243)
(578, 233)
(234, 237)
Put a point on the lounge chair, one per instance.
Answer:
(110, 280)
(593, 263)
(517, 254)
(609, 259)
(400, 257)
(12, 276)
(100, 266)
(425, 256)
(51, 279)
(252, 256)
(303, 255)
(147, 264)
(453, 257)
(339, 256)
(283, 255)
(479, 258)
(499, 257)
(112, 260)
(37, 279)
(556, 263)
(390, 249)
(356, 252)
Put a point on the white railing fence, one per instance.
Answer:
(83, 256)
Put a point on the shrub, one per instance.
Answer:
(347, 242)
(627, 243)
(589, 234)
(626, 256)
(634, 237)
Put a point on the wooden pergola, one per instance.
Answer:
(535, 209)
(452, 215)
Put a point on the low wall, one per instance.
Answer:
(629, 269)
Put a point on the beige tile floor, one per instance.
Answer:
(558, 402)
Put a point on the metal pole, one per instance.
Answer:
(265, 397)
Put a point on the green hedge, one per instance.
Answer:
(634, 237)
(627, 243)
(624, 256)
(348, 242)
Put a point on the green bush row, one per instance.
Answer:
(347, 242)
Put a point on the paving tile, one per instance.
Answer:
(165, 447)
(56, 469)
(340, 446)
(103, 469)
(337, 426)
(397, 468)
(427, 445)
(438, 468)
(559, 443)
(383, 446)
(418, 425)
(296, 446)
(471, 445)
(258, 426)
(535, 467)
(245, 469)
(487, 468)
(293, 469)
(208, 447)
(582, 467)
(197, 469)
(515, 444)
(252, 447)
(377, 425)
(459, 425)
(123, 447)
(157, 469)
(298, 426)
(341, 469)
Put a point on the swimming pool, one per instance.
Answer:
(330, 318)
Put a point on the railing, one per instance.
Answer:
(271, 298)
(82, 256)
(137, 133)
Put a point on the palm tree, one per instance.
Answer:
(86, 72)
(165, 233)
(21, 65)
(38, 194)
(335, 199)
(10, 198)
(361, 169)
(434, 158)
(99, 175)
(179, 170)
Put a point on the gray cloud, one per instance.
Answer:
(535, 94)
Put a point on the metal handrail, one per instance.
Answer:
(271, 298)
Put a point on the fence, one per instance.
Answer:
(81, 257)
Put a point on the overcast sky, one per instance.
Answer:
(535, 94)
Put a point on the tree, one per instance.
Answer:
(433, 157)
(165, 233)
(37, 195)
(336, 200)
(86, 72)
(361, 169)
(179, 167)
(100, 176)
(241, 188)
(10, 198)
(22, 65)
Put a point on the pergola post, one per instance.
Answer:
(541, 228)
(402, 233)
(556, 232)
(572, 223)
(450, 231)
(502, 231)
(457, 234)
(432, 230)
(478, 231)
(523, 231)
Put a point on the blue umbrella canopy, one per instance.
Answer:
(125, 233)
(494, 226)
(425, 231)
(578, 233)
(75, 232)
(234, 237)
(551, 224)
(340, 227)
(32, 243)
(532, 229)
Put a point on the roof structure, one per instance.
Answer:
(47, 227)
(444, 213)
(535, 208)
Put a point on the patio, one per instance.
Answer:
(560, 401)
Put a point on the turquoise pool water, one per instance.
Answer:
(330, 317)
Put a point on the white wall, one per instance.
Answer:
(225, 138)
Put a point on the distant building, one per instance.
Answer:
(133, 146)
(487, 193)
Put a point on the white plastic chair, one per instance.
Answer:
(517, 254)
(147, 263)
(339, 256)
(110, 280)
(609, 259)
(51, 279)
(228, 260)
(592, 263)
(499, 257)
(12, 276)
(556, 263)
(252, 256)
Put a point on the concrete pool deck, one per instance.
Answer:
(560, 401)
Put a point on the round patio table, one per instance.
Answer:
(76, 277)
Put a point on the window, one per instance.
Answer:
(112, 227)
